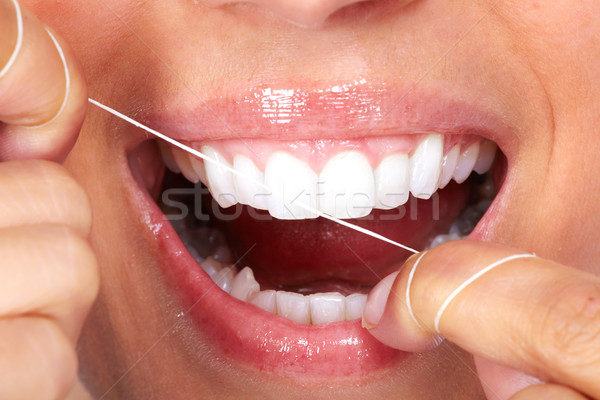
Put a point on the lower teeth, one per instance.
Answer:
(317, 308)
(464, 225)
(208, 247)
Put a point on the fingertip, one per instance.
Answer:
(43, 98)
(387, 318)
(376, 301)
(392, 333)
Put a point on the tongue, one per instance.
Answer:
(295, 255)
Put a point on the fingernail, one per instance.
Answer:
(377, 300)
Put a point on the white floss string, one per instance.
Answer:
(235, 172)
(466, 283)
(19, 43)
(408, 284)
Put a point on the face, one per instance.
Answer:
(279, 91)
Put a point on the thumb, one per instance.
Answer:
(506, 306)
(42, 91)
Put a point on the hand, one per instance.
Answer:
(527, 314)
(48, 271)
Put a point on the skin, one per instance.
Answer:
(535, 62)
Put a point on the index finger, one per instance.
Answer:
(530, 314)
(42, 90)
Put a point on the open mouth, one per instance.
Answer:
(308, 269)
(273, 285)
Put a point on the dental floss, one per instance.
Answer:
(61, 53)
(408, 284)
(235, 172)
(471, 280)
(19, 43)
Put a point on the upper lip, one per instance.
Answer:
(338, 111)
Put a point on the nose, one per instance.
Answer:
(301, 12)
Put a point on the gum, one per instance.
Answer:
(317, 152)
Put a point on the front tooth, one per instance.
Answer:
(355, 304)
(219, 179)
(487, 153)
(466, 162)
(426, 166)
(211, 267)
(392, 181)
(185, 165)
(292, 181)
(293, 306)
(348, 186)
(198, 166)
(249, 191)
(223, 254)
(244, 285)
(327, 307)
(168, 158)
(449, 165)
(224, 278)
(265, 299)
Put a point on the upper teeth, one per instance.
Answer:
(346, 187)
(291, 180)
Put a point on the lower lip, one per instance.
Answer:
(247, 334)
(268, 342)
